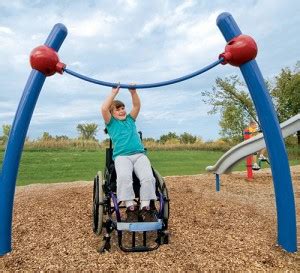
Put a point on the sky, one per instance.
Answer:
(136, 41)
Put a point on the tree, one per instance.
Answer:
(62, 137)
(233, 103)
(149, 139)
(286, 94)
(187, 138)
(87, 131)
(6, 131)
(233, 123)
(46, 136)
(164, 138)
(236, 106)
(105, 142)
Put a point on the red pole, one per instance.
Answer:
(247, 135)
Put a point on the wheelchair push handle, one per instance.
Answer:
(141, 135)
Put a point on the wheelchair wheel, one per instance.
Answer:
(163, 189)
(98, 198)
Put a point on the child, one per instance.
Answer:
(129, 155)
(253, 131)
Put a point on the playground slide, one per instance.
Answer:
(250, 146)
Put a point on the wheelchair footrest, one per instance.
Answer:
(140, 226)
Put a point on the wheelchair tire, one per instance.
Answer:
(164, 191)
(98, 198)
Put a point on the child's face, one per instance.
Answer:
(119, 113)
(253, 125)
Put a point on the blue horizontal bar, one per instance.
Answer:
(147, 85)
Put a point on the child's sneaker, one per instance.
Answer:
(255, 167)
(148, 214)
(132, 214)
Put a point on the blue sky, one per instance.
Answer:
(136, 41)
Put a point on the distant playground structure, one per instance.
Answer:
(248, 147)
(240, 51)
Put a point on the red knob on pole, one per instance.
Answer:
(46, 60)
(239, 50)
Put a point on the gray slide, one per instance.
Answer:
(250, 146)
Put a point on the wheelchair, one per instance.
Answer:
(107, 212)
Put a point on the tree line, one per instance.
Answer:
(88, 131)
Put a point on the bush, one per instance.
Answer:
(58, 144)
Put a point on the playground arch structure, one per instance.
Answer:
(240, 51)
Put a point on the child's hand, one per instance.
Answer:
(132, 88)
(115, 90)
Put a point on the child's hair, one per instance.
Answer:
(116, 104)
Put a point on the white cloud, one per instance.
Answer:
(7, 116)
(180, 9)
(128, 4)
(172, 105)
(199, 39)
(98, 23)
(37, 37)
(20, 59)
(150, 26)
(7, 112)
(15, 4)
(75, 110)
(5, 30)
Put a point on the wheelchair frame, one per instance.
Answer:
(105, 205)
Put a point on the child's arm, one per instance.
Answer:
(107, 103)
(136, 103)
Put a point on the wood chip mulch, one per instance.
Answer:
(234, 229)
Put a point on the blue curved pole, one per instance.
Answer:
(147, 85)
(284, 195)
(16, 140)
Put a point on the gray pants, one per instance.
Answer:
(140, 164)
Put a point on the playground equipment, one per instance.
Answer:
(240, 51)
(249, 146)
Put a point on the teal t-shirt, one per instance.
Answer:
(124, 136)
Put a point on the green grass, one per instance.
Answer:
(182, 162)
(192, 162)
(66, 165)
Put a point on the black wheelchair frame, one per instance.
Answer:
(107, 211)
